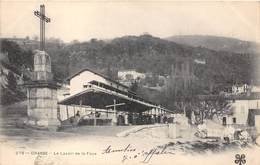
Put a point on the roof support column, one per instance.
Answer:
(67, 111)
(114, 118)
(95, 119)
(156, 114)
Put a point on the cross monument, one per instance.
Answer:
(43, 19)
(42, 108)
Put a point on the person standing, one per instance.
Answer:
(126, 118)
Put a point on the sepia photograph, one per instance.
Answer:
(129, 82)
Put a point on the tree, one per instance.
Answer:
(16, 55)
(207, 109)
(134, 86)
(13, 50)
(11, 80)
(75, 42)
(18, 59)
(35, 38)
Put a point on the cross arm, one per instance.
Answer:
(115, 105)
(41, 16)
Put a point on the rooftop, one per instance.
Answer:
(105, 77)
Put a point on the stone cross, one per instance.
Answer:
(43, 19)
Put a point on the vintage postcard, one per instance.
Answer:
(129, 82)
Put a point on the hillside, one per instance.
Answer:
(149, 54)
(217, 43)
(14, 61)
(146, 53)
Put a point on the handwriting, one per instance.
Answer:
(146, 156)
(155, 151)
(129, 152)
(109, 149)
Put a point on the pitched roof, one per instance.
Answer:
(105, 77)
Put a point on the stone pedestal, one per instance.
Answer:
(42, 95)
(42, 106)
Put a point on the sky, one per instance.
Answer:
(83, 20)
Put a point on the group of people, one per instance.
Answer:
(139, 119)
(126, 118)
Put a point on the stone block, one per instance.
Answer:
(42, 76)
(54, 94)
(32, 93)
(32, 103)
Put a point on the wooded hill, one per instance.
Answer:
(217, 43)
(150, 54)
(144, 53)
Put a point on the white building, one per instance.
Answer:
(240, 109)
(245, 111)
(238, 89)
(79, 81)
(130, 75)
(255, 88)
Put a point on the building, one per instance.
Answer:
(240, 107)
(243, 111)
(238, 89)
(130, 74)
(81, 80)
(255, 88)
(127, 77)
(244, 88)
(93, 93)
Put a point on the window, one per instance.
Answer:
(234, 120)
(224, 121)
(87, 86)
